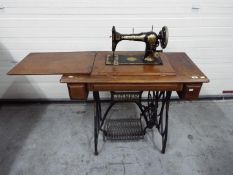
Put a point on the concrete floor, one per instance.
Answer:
(57, 139)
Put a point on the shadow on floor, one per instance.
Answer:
(16, 121)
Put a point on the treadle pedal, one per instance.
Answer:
(124, 129)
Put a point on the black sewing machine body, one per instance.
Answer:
(152, 41)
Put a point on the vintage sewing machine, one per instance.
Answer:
(152, 41)
(156, 73)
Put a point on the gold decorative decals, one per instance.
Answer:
(131, 59)
(133, 37)
(152, 39)
(149, 59)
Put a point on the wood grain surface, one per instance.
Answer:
(185, 72)
(87, 71)
(55, 63)
(100, 68)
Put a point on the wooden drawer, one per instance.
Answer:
(190, 91)
(78, 91)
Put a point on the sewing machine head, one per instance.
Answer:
(151, 39)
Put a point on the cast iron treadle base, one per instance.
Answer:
(124, 129)
(154, 114)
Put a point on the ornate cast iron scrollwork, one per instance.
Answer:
(154, 112)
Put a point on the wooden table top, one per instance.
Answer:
(53, 63)
(185, 71)
(89, 67)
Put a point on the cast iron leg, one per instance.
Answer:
(97, 117)
(155, 116)
(165, 127)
